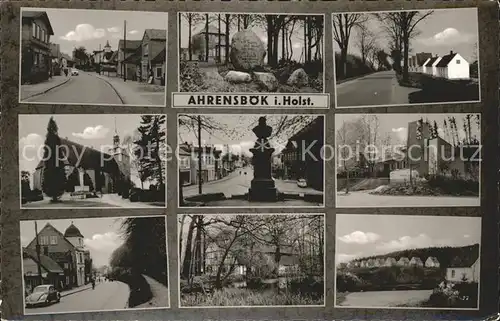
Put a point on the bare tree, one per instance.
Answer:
(403, 25)
(191, 19)
(343, 25)
(365, 42)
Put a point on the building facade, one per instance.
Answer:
(153, 46)
(126, 49)
(36, 51)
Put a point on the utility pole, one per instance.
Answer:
(100, 55)
(124, 50)
(40, 278)
(200, 188)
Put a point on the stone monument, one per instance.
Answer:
(247, 51)
(262, 188)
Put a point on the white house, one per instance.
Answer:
(362, 264)
(464, 269)
(424, 66)
(432, 262)
(428, 67)
(416, 261)
(404, 261)
(453, 66)
(390, 262)
(434, 66)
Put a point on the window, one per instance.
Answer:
(42, 35)
(33, 30)
(458, 61)
(159, 72)
(145, 49)
(66, 265)
(53, 240)
(452, 273)
(44, 240)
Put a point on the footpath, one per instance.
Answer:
(77, 290)
(135, 93)
(28, 91)
(160, 295)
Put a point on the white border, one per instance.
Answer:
(20, 101)
(270, 204)
(417, 204)
(248, 14)
(254, 306)
(92, 207)
(98, 311)
(409, 104)
(408, 308)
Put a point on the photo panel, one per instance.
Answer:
(406, 57)
(408, 160)
(94, 264)
(97, 161)
(251, 160)
(97, 57)
(407, 262)
(251, 260)
(251, 60)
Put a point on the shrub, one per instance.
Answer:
(308, 286)
(348, 282)
(454, 185)
(191, 78)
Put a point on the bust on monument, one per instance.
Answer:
(262, 130)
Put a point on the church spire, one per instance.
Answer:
(116, 137)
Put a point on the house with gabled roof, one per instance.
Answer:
(67, 250)
(52, 272)
(416, 261)
(453, 66)
(153, 46)
(465, 268)
(432, 262)
(390, 261)
(403, 261)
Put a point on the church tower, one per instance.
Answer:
(107, 47)
(120, 154)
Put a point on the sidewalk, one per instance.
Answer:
(77, 290)
(160, 297)
(28, 91)
(134, 93)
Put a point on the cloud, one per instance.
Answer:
(133, 32)
(397, 130)
(448, 37)
(359, 237)
(102, 246)
(96, 132)
(84, 32)
(30, 151)
(114, 29)
(344, 258)
(410, 242)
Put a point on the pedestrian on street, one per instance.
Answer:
(66, 71)
(93, 283)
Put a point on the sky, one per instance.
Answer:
(362, 235)
(443, 31)
(96, 131)
(257, 27)
(91, 28)
(396, 124)
(240, 137)
(101, 235)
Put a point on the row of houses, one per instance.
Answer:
(214, 164)
(450, 66)
(431, 262)
(298, 161)
(64, 260)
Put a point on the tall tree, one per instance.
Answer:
(54, 174)
(152, 140)
(404, 23)
(207, 37)
(191, 18)
(343, 24)
(365, 42)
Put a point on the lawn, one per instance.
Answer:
(246, 297)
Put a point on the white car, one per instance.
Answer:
(74, 72)
(302, 183)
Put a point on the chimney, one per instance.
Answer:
(451, 52)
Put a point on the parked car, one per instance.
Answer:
(74, 72)
(302, 183)
(43, 295)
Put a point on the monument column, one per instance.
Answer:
(262, 188)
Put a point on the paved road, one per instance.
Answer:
(364, 199)
(106, 296)
(82, 89)
(410, 298)
(380, 88)
(238, 184)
